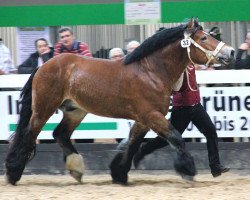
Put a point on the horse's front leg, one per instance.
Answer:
(62, 133)
(121, 164)
(184, 164)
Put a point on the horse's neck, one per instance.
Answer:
(170, 63)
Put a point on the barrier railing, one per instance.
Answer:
(228, 108)
(203, 77)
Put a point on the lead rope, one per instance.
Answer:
(193, 90)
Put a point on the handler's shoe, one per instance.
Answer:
(217, 170)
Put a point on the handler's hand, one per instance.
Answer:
(244, 46)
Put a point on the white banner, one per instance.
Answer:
(142, 12)
(25, 37)
(228, 108)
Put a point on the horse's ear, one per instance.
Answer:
(190, 27)
(190, 24)
(196, 22)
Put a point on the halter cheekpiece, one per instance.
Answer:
(187, 41)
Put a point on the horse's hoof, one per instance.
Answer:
(187, 178)
(75, 165)
(119, 178)
(76, 175)
(184, 164)
(8, 180)
(119, 182)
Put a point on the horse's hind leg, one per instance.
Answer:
(121, 164)
(184, 165)
(71, 118)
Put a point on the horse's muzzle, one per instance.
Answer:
(226, 56)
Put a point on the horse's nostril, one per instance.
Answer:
(232, 54)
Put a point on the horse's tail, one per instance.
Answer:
(26, 100)
(22, 144)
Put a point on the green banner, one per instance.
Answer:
(82, 126)
(113, 13)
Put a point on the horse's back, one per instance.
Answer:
(81, 79)
(67, 62)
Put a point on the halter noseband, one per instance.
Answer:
(210, 54)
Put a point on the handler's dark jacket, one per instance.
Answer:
(242, 63)
(188, 94)
(32, 62)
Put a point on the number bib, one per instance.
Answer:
(185, 43)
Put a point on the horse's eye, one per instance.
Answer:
(203, 39)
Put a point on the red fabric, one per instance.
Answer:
(82, 50)
(189, 93)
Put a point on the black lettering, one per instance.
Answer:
(204, 102)
(225, 122)
(243, 127)
(10, 104)
(218, 107)
(235, 99)
(18, 104)
(247, 103)
(231, 125)
(217, 124)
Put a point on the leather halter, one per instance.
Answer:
(210, 54)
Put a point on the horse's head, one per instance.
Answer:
(203, 48)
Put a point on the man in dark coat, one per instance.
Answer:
(43, 54)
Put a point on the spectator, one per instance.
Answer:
(215, 32)
(68, 44)
(131, 46)
(116, 54)
(187, 108)
(243, 48)
(6, 64)
(43, 53)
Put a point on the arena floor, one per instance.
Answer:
(153, 185)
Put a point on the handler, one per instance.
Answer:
(187, 108)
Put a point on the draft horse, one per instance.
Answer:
(137, 87)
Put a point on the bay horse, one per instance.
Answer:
(137, 87)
